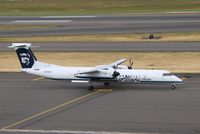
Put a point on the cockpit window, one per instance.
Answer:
(167, 74)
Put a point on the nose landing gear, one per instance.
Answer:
(173, 86)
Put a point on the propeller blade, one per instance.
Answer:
(130, 64)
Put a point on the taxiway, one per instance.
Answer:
(102, 24)
(131, 108)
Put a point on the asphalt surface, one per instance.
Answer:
(120, 47)
(130, 108)
(107, 24)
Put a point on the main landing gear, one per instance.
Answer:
(173, 86)
(91, 88)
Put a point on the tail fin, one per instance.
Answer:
(24, 53)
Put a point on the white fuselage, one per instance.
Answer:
(126, 75)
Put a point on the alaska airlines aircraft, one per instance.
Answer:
(111, 73)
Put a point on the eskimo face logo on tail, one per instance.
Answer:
(25, 58)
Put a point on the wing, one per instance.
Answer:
(89, 71)
(102, 68)
(116, 63)
(101, 71)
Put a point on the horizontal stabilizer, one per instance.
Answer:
(19, 45)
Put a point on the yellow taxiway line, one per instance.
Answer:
(104, 90)
(54, 108)
(37, 78)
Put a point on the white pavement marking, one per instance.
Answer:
(106, 22)
(67, 16)
(41, 21)
(61, 131)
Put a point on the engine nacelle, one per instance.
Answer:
(97, 75)
(122, 67)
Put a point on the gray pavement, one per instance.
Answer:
(107, 24)
(120, 47)
(131, 108)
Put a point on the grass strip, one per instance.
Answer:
(71, 7)
(165, 37)
(25, 26)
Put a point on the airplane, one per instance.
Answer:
(105, 74)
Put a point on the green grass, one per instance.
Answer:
(71, 7)
(25, 26)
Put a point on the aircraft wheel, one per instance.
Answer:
(173, 87)
(91, 88)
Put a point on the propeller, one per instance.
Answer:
(115, 74)
(130, 66)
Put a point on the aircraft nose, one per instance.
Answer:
(178, 79)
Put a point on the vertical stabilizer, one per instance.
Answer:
(25, 55)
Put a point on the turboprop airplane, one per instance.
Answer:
(111, 73)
